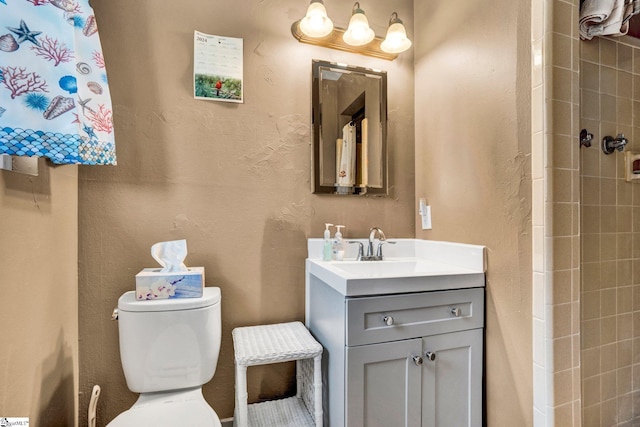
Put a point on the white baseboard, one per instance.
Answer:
(227, 422)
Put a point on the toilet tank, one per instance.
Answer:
(169, 344)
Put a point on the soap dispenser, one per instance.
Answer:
(338, 245)
(328, 246)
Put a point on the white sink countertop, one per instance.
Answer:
(410, 265)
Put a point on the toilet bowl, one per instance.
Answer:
(174, 408)
(169, 348)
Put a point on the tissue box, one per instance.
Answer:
(152, 283)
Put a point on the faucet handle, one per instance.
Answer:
(360, 249)
(382, 242)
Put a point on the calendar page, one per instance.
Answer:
(217, 68)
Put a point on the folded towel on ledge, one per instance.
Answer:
(606, 17)
(346, 173)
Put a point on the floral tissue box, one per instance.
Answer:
(153, 283)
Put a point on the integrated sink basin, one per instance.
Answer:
(392, 268)
(410, 265)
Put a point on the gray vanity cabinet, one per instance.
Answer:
(452, 383)
(398, 360)
(383, 384)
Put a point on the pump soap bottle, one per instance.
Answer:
(338, 245)
(326, 249)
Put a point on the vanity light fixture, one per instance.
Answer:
(359, 33)
(317, 29)
(396, 40)
(316, 23)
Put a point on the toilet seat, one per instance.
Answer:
(169, 409)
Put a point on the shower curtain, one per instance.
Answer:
(54, 95)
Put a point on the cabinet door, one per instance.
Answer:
(452, 381)
(383, 385)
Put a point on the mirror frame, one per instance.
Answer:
(316, 120)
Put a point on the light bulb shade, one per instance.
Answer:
(316, 23)
(396, 40)
(358, 33)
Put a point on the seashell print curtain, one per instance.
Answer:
(54, 96)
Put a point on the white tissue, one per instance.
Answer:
(170, 255)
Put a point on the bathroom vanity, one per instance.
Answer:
(402, 337)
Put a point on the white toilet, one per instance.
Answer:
(169, 349)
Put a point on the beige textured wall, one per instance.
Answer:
(233, 179)
(473, 139)
(39, 286)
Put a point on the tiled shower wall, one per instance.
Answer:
(556, 197)
(586, 266)
(610, 234)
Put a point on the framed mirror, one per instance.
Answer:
(349, 117)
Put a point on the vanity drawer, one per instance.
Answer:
(396, 317)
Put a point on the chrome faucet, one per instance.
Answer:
(372, 237)
(610, 144)
(371, 256)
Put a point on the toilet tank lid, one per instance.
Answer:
(128, 302)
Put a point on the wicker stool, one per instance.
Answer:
(282, 342)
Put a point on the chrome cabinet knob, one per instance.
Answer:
(388, 320)
(417, 360)
(430, 356)
(456, 312)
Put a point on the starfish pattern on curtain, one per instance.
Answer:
(54, 93)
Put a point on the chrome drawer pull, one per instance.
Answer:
(430, 356)
(417, 360)
(456, 312)
(388, 320)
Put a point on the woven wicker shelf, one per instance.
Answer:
(290, 412)
(265, 344)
